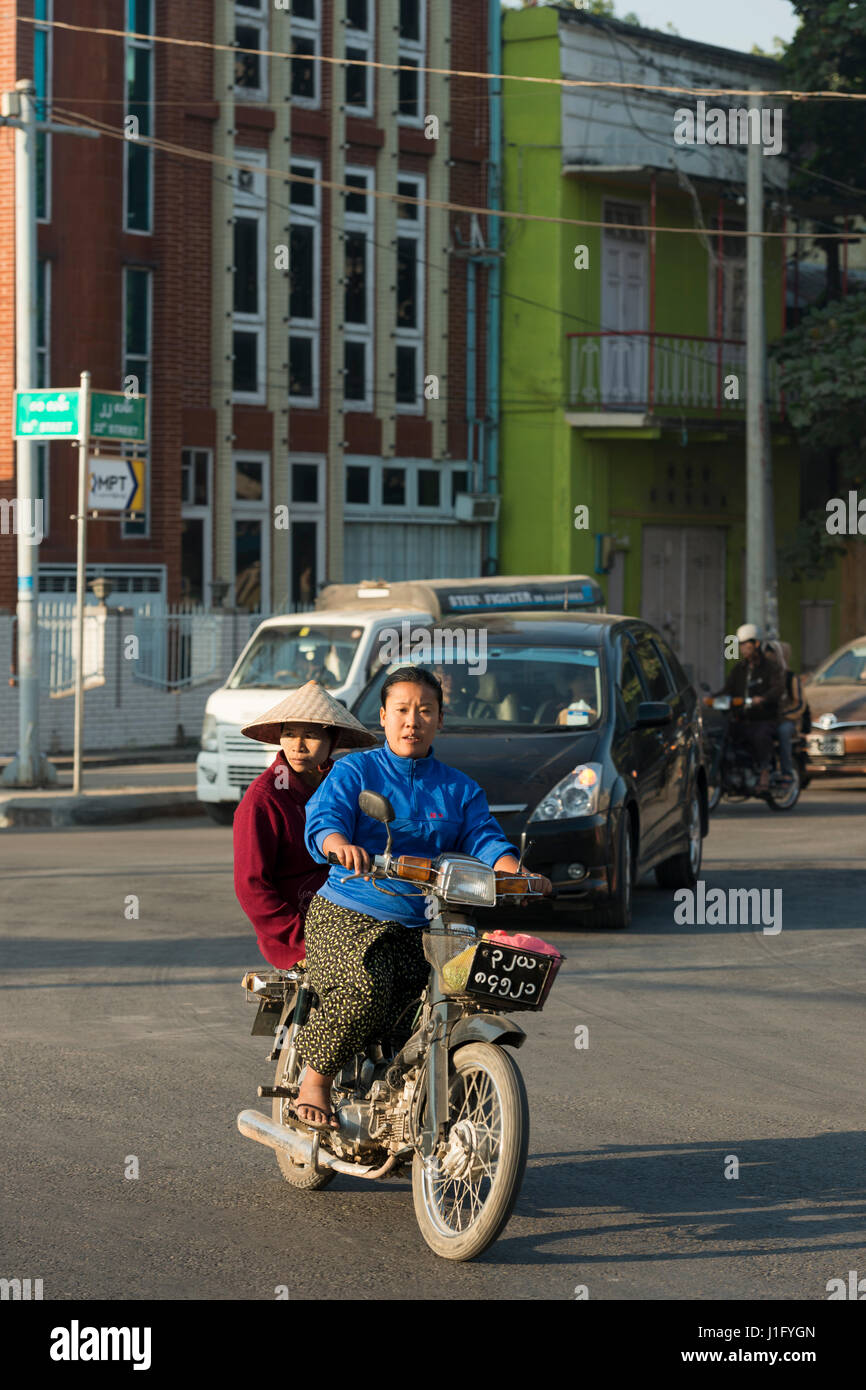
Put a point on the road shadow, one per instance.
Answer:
(807, 905)
(682, 1188)
(158, 953)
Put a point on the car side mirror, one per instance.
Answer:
(379, 807)
(652, 714)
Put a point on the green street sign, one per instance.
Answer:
(46, 414)
(116, 416)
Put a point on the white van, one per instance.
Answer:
(338, 648)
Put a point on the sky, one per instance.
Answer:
(728, 23)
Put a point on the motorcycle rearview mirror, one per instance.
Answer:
(379, 808)
(375, 805)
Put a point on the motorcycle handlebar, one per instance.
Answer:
(384, 863)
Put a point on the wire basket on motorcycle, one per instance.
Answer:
(449, 950)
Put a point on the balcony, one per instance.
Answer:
(632, 372)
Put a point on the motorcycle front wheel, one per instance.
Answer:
(465, 1195)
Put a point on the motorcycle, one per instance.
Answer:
(731, 772)
(440, 1091)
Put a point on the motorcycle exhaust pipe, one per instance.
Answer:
(254, 1125)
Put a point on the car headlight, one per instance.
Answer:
(209, 734)
(576, 795)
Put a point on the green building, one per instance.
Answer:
(623, 353)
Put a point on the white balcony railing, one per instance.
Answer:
(633, 370)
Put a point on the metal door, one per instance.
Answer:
(683, 595)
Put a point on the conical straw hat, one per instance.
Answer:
(311, 705)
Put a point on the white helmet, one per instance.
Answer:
(747, 632)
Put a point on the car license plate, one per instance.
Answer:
(504, 973)
(820, 745)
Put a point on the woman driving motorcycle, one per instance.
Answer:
(364, 948)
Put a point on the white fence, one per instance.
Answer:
(148, 673)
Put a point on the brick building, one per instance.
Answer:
(304, 350)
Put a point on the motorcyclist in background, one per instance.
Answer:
(757, 675)
(793, 709)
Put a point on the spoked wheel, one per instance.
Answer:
(298, 1174)
(465, 1194)
(714, 795)
(784, 798)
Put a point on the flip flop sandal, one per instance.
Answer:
(311, 1124)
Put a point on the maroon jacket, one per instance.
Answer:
(275, 877)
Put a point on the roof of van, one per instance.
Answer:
(350, 616)
(498, 593)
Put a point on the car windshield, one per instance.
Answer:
(512, 687)
(290, 656)
(847, 669)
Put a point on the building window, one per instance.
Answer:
(459, 483)
(195, 529)
(306, 85)
(428, 487)
(358, 485)
(251, 555)
(136, 364)
(249, 295)
(305, 285)
(251, 33)
(43, 323)
(306, 532)
(733, 284)
(409, 364)
(358, 291)
(415, 490)
(360, 48)
(410, 87)
(42, 54)
(393, 486)
(305, 482)
(138, 157)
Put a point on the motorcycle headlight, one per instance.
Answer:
(459, 882)
(209, 734)
(576, 795)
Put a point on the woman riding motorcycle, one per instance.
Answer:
(364, 949)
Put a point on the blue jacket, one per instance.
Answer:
(436, 807)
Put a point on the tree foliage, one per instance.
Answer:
(827, 137)
(823, 364)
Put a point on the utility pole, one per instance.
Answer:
(762, 603)
(756, 530)
(29, 768)
(80, 574)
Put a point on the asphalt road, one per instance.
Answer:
(130, 1037)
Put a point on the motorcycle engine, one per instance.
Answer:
(375, 1121)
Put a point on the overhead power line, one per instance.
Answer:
(446, 72)
(78, 117)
